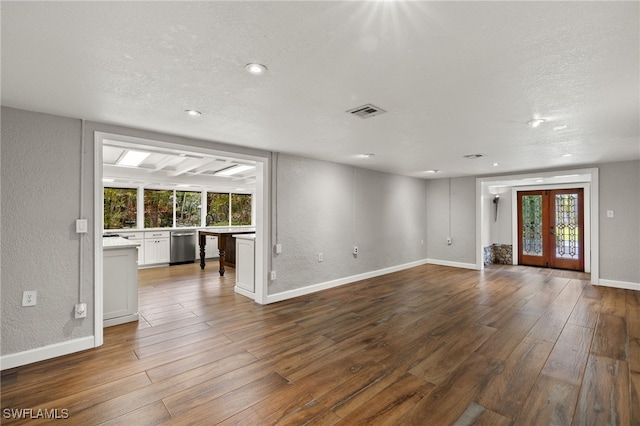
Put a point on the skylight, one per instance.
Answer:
(132, 158)
(235, 170)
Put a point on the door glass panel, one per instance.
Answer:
(532, 225)
(566, 226)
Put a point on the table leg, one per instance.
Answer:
(202, 241)
(221, 270)
(222, 245)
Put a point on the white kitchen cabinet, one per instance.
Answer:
(120, 281)
(137, 237)
(245, 264)
(157, 247)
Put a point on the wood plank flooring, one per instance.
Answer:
(431, 345)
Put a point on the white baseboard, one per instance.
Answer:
(290, 294)
(244, 292)
(121, 320)
(619, 284)
(46, 352)
(452, 264)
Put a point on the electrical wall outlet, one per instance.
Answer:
(449, 241)
(81, 310)
(273, 275)
(278, 248)
(320, 257)
(355, 250)
(29, 298)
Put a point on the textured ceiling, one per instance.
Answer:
(455, 78)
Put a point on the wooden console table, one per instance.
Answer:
(226, 244)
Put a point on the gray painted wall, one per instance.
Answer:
(326, 208)
(322, 207)
(620, 235)
(451, 211)
(39, 247)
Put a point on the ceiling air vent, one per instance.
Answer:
(366, 111)
(474, 156)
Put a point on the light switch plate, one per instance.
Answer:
(609, 213)
(81, 226)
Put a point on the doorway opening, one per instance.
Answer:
(551, 228)
(190, 165)
(497, 214)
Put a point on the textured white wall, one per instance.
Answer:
(620, 235)
(501, 229)
(39, 247)
(326, 208)
(451, 211)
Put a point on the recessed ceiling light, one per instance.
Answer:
(132, 158)
(255, 69)
(474, 156)
(567, 155)
(495, 164)
(433, 171)
(193, 112)
(536, 122)
(564, 126)
(368, 155)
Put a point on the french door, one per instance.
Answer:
(551, 228)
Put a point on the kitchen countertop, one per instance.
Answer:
(225, 229)
(117, 242)
(245, 236)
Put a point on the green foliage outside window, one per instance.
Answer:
(188, 206)
(158, 208)
(240, 209)
(120, 208)
(217, 209)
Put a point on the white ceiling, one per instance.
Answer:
(455, 78)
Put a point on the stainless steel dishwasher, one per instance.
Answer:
(183, 247)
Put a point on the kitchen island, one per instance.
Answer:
(120, 280)
(226, 244)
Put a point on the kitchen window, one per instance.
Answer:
(120, 208)
(240, 209)
(224, 209)
(217, 209)
(188, 207)
(158, 208)
(174, 209)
